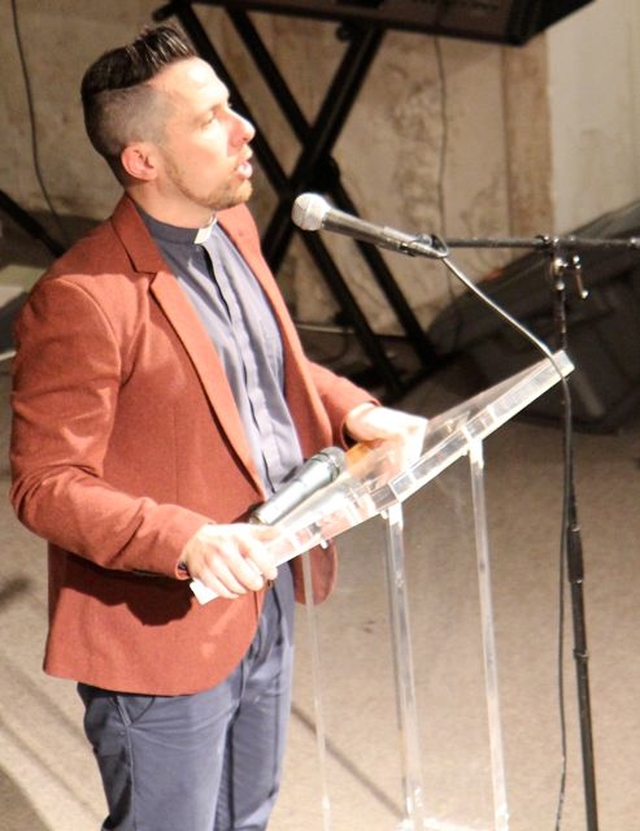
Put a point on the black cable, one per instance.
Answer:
(32, 120)
(566, 506)
(444, 142)
(571, 567)
(566, 493)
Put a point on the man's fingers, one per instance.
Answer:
(257, 555)
(232, 559)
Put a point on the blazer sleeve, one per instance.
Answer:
(339, 396)
(67, 375)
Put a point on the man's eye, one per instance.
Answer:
(217, 113)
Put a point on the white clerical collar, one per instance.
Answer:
(205, 232)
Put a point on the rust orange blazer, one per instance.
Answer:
(125, 441)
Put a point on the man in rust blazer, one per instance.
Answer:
(140, 444)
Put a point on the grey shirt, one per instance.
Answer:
(241, 325)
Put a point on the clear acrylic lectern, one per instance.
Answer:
(367, 489)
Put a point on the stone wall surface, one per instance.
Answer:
(447, 136)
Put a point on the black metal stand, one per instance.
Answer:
(29, 224)
(316, 170)
(564, 263)
(562, 266)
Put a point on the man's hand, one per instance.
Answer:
(231, 559)
(374, 425)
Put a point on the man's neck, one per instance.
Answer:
(185, 215)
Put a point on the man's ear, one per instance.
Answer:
(140, 161)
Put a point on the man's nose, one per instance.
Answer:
(243, 129)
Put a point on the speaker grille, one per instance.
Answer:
(503, 21)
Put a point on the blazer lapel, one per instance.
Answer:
(239, 226)
(302, 397)
(195, 340)
(186, 323)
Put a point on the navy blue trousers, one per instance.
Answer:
(211, 761)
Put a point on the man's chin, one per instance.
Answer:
(245, 192)
(238, 197)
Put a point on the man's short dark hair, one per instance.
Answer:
(119, 105)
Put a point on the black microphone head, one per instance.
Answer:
(309, 211)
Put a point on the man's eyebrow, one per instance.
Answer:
(220, 101)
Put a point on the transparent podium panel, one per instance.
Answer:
(364, 757)
(372, 484)
(390, 705)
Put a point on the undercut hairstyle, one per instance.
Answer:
(120, 106)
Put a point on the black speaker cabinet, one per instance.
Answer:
(502, 21)
(603, 330)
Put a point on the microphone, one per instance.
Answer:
(311, 212)
(317, 472)
(320, 470)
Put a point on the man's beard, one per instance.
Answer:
(227, 196)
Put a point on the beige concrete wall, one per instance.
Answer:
(447, 136)
(594, 94)
(59, 39)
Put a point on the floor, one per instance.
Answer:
(352, 777)
(349, 765)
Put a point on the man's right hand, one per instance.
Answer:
(231, 560)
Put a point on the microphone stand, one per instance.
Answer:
(561, 265)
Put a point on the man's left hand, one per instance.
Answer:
(374, 425)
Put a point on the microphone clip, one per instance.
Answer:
(425, 245)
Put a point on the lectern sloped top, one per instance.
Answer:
(367, 488)
(451, 432)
